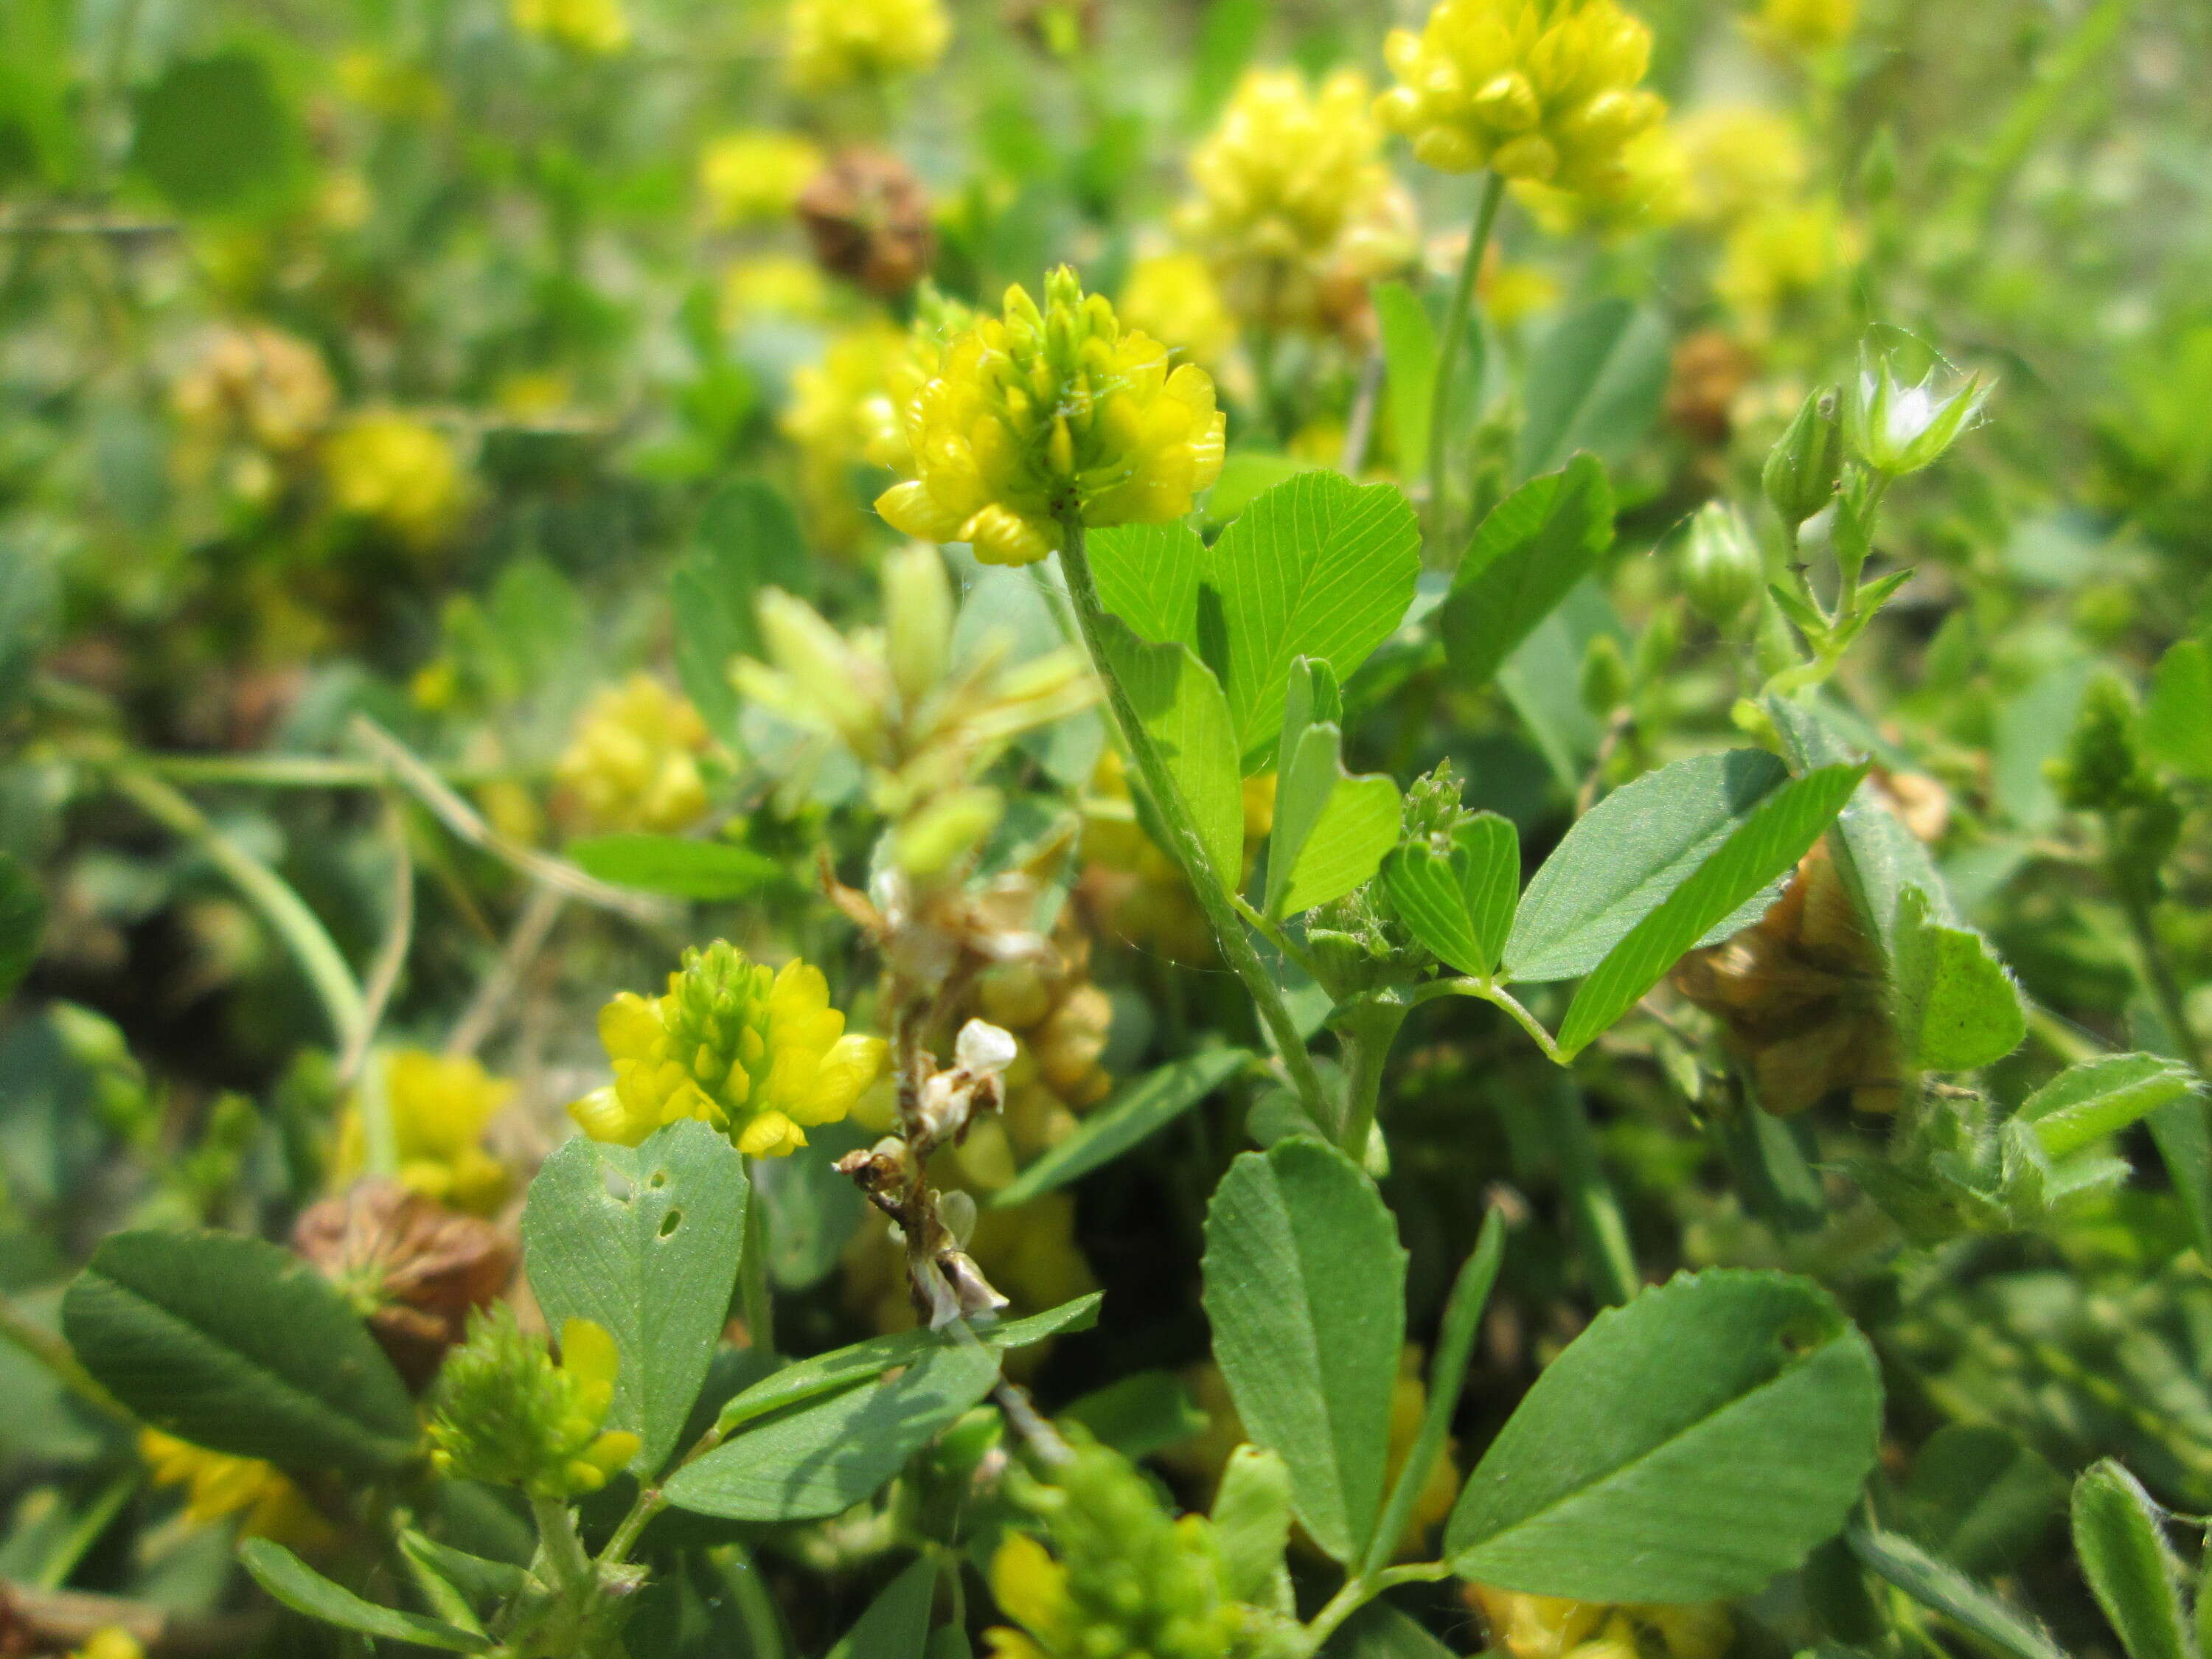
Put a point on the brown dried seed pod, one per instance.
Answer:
(868, 219)
(414, 1268)
(1709, 369)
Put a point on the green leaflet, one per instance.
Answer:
(1687, 1447)
(655, 1264)
(1460, 905)
(1526, 555)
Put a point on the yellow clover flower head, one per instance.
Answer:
(1052, 414)
(1806, 27)
(1554, 1627)
(755, 176)
(1650, 189)
(440, 1106)
(1293, 199)
(396, 472)
(1743, 158)
(508, 1415)
(1173, 298)
(595, 28)
(632, 764)
(1538, 90)
(218, 1484)
(760, 1055)
(1780, 256)
(831, 43)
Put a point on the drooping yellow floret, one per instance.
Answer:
(1053, 414)
(755, 175)
(632, 764)
(760, 1056)
(1543, 91)
(596, 26)
(218, 1484)
(839, 43)
(1294, 208)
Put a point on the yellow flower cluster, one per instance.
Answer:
(1806, 27)
(440, 1107)
(839, 417)
(774, 288)
(508, 1415)
(218, 1484)
(597, 27)
(1743, 158)
(1294, 208)
(632, 764)
(1783, 254)
(1651, 190)
(755, 176)
(110, 1642)
(1553, 1627)
(1173, 298)
(396, 472)
(831, 43)
(1543, 91)
(759, 1054)
(1050, 414)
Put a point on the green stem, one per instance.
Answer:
(283, 909)
(560, 1548)
(1369, 1027)
(1274, 936)
(1185, 845)
(55, 1355)
(1447, 345)
(1498, 997)
(754, 1300)
(1359, 1592)
(307, 771)
(2158, 974)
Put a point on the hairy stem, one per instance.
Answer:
(1369, 1028)
(755, 1299)
(1184, 843)
(1448, 343)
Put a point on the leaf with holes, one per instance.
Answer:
(654, 1263)
(1460, 905)
(1305, 1285)
(1687, 1447)
(1765, 847)
(238, 1346)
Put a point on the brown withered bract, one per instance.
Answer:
(1799, 996)
(414, 1268)
(868, 219)
(1708, 370)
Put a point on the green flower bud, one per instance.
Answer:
(1898, 429)
(1802, 468)
(1605, 681)
(508, 1415)
(1722, 570)
(1433, 808)
(917, 620)
(946, 830)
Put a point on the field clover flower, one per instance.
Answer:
(632, 764)
(1295, 210)
(439, 1105)
(1050, 414)
(754, 176)
(1541, 91)
(508, 1415)
(218, 1484)
(760, 1055)
(398, 472)
(833, 44)
(1173, 298)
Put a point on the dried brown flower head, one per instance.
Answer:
(868, 218)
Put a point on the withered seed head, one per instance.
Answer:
(868, 218)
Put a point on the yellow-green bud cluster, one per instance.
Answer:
(1542, 91)
(1123, 1579)
(759, 1053)
(1051, 413)
(508, 1415)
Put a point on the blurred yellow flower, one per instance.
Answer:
(440, 1108)
(595, 26)
(1049, 415)
(1512, 294)
(779, 288)
(1173, 298)
(840, 416)
(396, 472)
(1806, 27)
(257, 383)
(1295, 211)
(1782, 255)
(759, 1054)
(755, 175)
(110, 1642)
(1553, 1627)
(1543, 91)
(1650, 189)
(632, 764)
(1742, 159)
(831, 43)
(218, 1484)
